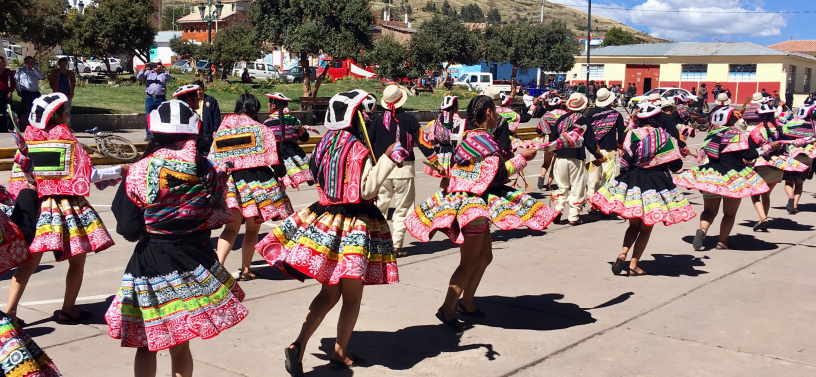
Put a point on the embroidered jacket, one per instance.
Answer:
(244, 142)
(478, 164)
(61, 165)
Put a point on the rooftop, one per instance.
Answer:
(196, 17)
(688, 49)
(796, 46)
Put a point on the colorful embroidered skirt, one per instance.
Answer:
(293, 168)
(734, 184)
(329, 243)
(805, 175)
(19, 355)
(258, 194)
(174, 290)
(69, 226)
(781, 162)
(450, 212)
(644, 194)
(807, 150)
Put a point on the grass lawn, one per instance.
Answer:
(128, 98)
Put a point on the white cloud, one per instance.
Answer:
(697, 21)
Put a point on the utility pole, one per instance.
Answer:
(589, 37)
(543, 2)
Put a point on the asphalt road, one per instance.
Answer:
(553, 306)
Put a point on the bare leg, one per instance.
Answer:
(469, 257)
(711, 206)
(228, 236)
(640, 246)
(730, 207)
(789, 188)
(144, 365)
(248, 246)
(19, 282)
(630, 237)
(73, 282)
(322, 303)
(485, 257)
(182, 360)
(797, 192)
(352, 297)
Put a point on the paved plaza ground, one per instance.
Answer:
(553, 306)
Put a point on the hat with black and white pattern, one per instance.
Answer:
(185, 89)
(173, 117)
(648, 110)
(342, 107)
(369, 103)
(447, 102)
(278, 96)
(43, 107)
(804, 111)
(555, 101)
(766, 109)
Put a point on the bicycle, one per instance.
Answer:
(112, 146)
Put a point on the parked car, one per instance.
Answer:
(346, 68)
(664, 93)
(183, 66)
(258, 70)
(295, 75)
(99, 65)
(11, 56)
(72, 60)
(479, 81)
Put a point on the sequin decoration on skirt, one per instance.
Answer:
(329, 243)
(19, 355)
(69, 226)
(735, 184)
(650, 196)
(258, 194)
(450, 212)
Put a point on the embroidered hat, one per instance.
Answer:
(766, 109)
(369, 103)
(278, 96)
(342, 107)
(681, 98)
(721, 116)
(43, 107)
(804, 111)
(184, 89)
(604, 98)
(648, 110)
(722, 99)
(555, 101)
(577, 102)
(447, 102)
(173, 117)
(393, 95)
(504, 98)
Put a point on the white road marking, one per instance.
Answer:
(59, 300)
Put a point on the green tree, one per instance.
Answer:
(42, 24)
(391, 57)
(437, 44)
(233, 44)
(405, 6)
(472, 13)
(616, 36)
(447, 9)
(430, 7)
(338, 28)
(493, 16)
(170, 14)
(183, 47)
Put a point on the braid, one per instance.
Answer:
(476, 111)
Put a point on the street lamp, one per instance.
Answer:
(213, 16)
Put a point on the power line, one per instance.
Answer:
(699, 11)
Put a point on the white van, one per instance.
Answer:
(479, 81)
(11, 55)
(258, 70)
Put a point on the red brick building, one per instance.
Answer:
(195, 29)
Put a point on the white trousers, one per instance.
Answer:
(598, 176)
(570, 175)
(402, 192)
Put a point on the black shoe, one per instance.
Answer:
(147, 138)
(557, 219)
(460, 309)
(618, 266)
(356, 361)
(791, 209)
(540, 183)
(293, 364)
(452, 324)
(761, 225)
(698, 240)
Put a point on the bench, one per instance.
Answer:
(318, 107)
(98, 78)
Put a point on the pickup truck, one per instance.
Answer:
(479, 81)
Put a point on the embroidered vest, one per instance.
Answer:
(477, 163)
(751, 113)
(61, 164)
(286, 128)
(512, 117)
(654, 147)
(355, 162)
(603, 122)
(548, 120)
(724, 140)
(684, 113)
(244, 142)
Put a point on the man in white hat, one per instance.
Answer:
(399, 186)
(155, 78)
(609, 129)
(569, 170)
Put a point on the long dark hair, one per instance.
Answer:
(278, 104)
(248, 105)
(477, 111)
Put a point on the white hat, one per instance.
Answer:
(667, 103)
(680, 98)
(555, 101)
(342, 108)
(604, 98)
(493, 92)
(758, 98)
(504, 99)
(278, 96)
(369, 103)
(654, 97)
(447, 102)
(577, 102)
(43, 107)
(185, 89)
(157, 61)
(173, 117)
(394, 94)
(648, 110)
(722, 99)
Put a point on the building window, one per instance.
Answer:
(792, 78)
(596, 71)
(808, 72)
(694, 72)
(524, 70)
(741, 72)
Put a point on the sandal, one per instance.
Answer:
(356, 361)
(698, 240)
(246, 276)
(460, 309)
(618, 266)
(452, 324)
(293, 364)
(400, 253)
(631, 272)
(721, 246)
(761, 226)
(83, 315)
(557, 219)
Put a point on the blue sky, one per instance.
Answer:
(699, 20)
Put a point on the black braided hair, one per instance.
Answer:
(767, 117)
(477, 111)
(278, 104)
(248, 105)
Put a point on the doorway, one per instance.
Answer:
(647, 84)
(645, 77)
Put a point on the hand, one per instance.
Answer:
(601, 160)
(10, 95)
(775, 145)
(390, 150)
(28, 186)
(528, 154)
(124, 168)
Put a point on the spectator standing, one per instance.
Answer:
(581, 88)
(702, 95)
(209, 112)
(591, 88)
(717, 90)
(28, 88)
(765, 93)
(788, 97)
(809, 101)
(694, 90)
(7, 86)
(63, 80)
(776, 99)
(155, 79)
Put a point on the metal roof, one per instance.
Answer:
(688, 49)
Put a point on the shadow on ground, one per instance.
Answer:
(672, 265)
(802, 207)
(425, 248)
(735, 242)
(781, 223)
(9, 274)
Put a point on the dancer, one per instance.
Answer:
(555, 109)
(173, 289)
(292, 167)
(644, 192)
(772, 165)
(67, 225)
(476, 197)
(343, 240)
(682, 119)
(802, 131)
(609, 131)
(725, 178)
(443, 136)
(254, 194)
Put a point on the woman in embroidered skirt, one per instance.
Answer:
(342, 241)
(293, 163)
(254, 193)
(555, 109)
(725, 178)
(173, 289)
(443, 135)
(802, 132)
(67, 225)
(476, 197)
(772, 165)
(644, 192)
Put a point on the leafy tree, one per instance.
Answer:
(235, 43)
(183, 47)
(338, 28)
(392, 59)
(616, 36)
(42, 24)
(472, 13)
(430, 7)
(493, 16)
(437, 44)
(448, 10)
(170, 14)
(11, 14)
(405, 6)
